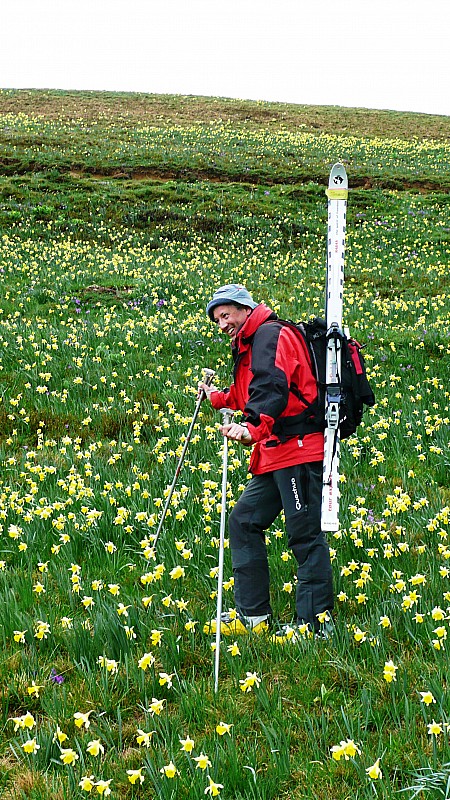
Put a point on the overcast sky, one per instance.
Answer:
(368, 53)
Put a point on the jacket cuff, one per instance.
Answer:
(218, 399)
(261, 431)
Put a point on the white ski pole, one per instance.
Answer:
(208, 375)
(227, 416)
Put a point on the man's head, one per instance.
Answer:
(230, 307)
(231, 294)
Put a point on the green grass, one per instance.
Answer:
(106, 262)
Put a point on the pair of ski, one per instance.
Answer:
(337, 193)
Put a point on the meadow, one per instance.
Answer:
(119, 216)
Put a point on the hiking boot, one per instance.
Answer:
(302, 631)
(293, 634)
(234, 624)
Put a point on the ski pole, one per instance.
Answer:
(227, 416)
(208, 376)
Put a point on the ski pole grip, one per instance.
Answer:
(227, 415)
(208, 375)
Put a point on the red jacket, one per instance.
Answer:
(273, 385)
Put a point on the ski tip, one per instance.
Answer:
(338, 183)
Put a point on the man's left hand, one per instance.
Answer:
(239, 433)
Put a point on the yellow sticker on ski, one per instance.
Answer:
(337, 194)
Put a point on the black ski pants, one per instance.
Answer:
(297, 490)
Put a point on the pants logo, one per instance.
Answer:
(298, 504)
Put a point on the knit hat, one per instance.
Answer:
(232, 293)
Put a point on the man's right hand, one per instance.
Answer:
(205, 390)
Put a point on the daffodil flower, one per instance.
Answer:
(374, 772)
(87, 783)
(427, 698)
(169, 770)
(203, 761)
(28, 721)
(156, 637)
(60, 736)
(135, 775)
(156, 706)
(146, 661)
(434, 728)
(144, 737)
(223, 727)
(95, 748)
(34, 690)
(31, 746)
(102, 787)
(165, 679)
(68, 756)
(187, 744)
(389, 671)
(213, 788)
(249, 682)
(82, 719)
(177, 572)
(347, 749)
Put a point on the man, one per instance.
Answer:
(275, 389)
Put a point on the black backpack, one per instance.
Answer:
(356, 391)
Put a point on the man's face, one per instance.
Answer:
(229, 318)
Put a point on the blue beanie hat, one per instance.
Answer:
(232, 293)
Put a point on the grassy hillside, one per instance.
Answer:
(119, 215)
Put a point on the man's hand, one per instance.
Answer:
(204, 390)
(239, 433)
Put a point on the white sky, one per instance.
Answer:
(366, 53)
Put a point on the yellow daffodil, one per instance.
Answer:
(103, 787)
(346, 749)
(156, 706)
(187, 744)
(177, 572)
(87, 783)
(435, 728)
(249, 682)
(169, 770)
(31, 746)
(144, 738)
(146, 661)
(135, 775)
(165, 679)
(95, 748)
(374, 772)
(68, 756)
(82, 720)
(34, 690)
(59, 736)
(213, 788)
(427, 698)
(203, 761)
(156, 637)
(223, 727)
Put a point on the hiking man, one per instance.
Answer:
(275, 389)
